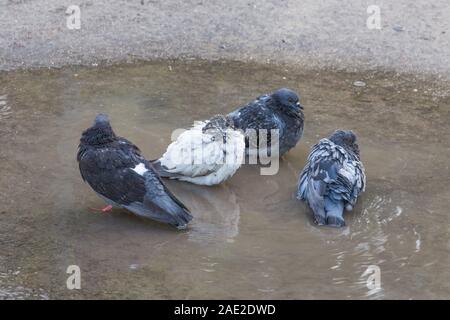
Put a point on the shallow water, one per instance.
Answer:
(249, 238)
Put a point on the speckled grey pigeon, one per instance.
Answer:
(280, 110)
(333, 178)
(119, 174)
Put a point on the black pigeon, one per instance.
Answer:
(333, 178)
(116, 170)
(280, 110)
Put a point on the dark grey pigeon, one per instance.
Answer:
(116, 170)
(333, 178)
(280, 110)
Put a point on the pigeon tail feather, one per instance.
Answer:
(161, 170)
(334, 211)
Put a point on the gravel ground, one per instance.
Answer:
(414, 36)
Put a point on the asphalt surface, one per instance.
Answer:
(414, 36)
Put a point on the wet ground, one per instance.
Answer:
(412, 36)
(250, 238)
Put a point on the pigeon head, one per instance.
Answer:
(100, 133)
(287, 100)
(346, 139)
(101, 119)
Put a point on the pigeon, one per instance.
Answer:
(119, 174)
(207, 154)
(332, 178)
(280, 110)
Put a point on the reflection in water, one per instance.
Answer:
(216, 212)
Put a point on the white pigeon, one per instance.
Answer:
(207, 154)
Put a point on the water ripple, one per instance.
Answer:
(5, 109)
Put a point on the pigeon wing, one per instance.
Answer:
(256, 116)
(120, 174)
(333, 172)
(193, 154)
(109, 172)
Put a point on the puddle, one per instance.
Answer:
(250, 238)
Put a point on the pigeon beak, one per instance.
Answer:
(298, 105)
